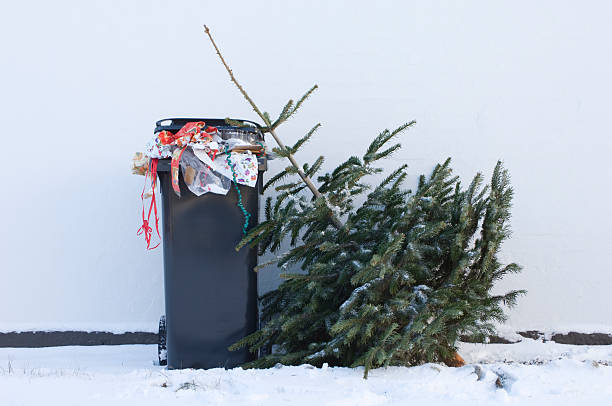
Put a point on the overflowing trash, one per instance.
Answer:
(210, 160)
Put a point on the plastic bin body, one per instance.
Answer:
(210, 289)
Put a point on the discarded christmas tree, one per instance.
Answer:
(395, 280)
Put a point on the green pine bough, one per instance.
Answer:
(389, 276)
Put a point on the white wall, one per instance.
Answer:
(83, 82)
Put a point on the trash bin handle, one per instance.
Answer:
(159, 122)
(159, 125)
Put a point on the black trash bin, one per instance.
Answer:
(210, 289)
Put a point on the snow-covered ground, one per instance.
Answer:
(529, 372)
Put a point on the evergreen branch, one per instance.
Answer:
(279, 176)
(282, 152)
(382, 139)
(247, 341)
(511, 297)
(304, 139)
(315, 166)
(265, 264)
(283, 115)
(266, 118)
(290, 108)
(392, 176)
(384, 154)
(286, 186)
(233, 79)
(258, 230)
(302, 100)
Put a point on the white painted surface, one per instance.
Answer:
(83, 82)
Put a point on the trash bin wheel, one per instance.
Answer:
(162, 352)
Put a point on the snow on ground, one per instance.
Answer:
(529, 372)
(534, 352)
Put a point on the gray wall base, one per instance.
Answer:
(34, 339)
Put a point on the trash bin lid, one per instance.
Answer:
(175, 124)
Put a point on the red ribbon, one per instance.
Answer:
(174, 169)
(186, 135)
(146, 228)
